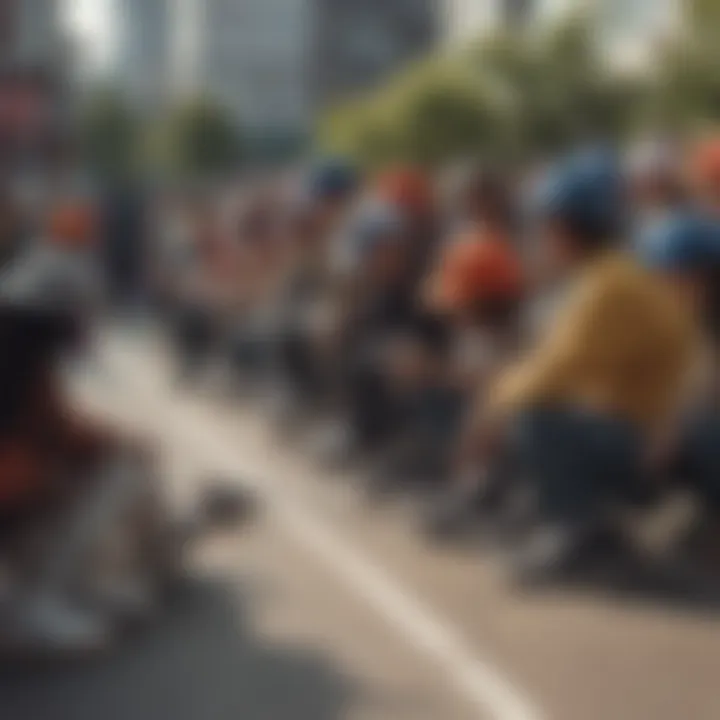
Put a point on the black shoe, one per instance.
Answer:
(561, 553)
(455, 515)
(226, 505)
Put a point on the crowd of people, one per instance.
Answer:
(88, 544)
(536, 353)
(537, 349)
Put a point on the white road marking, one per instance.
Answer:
(482, 684)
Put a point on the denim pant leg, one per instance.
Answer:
(701, 457)
(252, 352)
(438, 414)
(376, 413)
(193, 336)
(578, 461)
(299, 363)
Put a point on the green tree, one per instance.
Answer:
(703, 17)
(444, 119)
(687, 86)
(199, 139)
(109, 134)
(358, 129)
(514, 94)
(425, 115)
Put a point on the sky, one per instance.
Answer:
(89, 20)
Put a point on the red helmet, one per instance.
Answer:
(475, 268)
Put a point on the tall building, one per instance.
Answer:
(30, 32)
(252, 56)
(358, 43)
(140, 61)
(517, 13)
(275, 63)
(469, 19)
(630, 30)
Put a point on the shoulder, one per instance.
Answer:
(619, 277)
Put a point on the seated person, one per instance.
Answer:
(479, 199)
(205, 293)
(410, 191)
(308, 297)
(388, 345)
(263, 260)
(478, 287)
(684, 252)
(59, 268)
(45, 452)
(49, 453)
(327, 322)
(589, 400)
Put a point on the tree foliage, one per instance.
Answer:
(523, 94)
(197, 139)
(109, 134)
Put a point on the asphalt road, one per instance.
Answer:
(328, 609)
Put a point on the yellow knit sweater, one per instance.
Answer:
(623, 344)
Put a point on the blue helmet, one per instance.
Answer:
(684, 242)
(587, 192)
(331, 179)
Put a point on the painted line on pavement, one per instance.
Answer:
(489, 690)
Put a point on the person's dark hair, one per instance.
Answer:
(491, 195)
(590, 236)
(498, 313)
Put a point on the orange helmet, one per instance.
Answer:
(476, 268)
(705, 162)
(73, 226)
(409, 189)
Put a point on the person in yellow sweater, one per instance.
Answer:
(607, 377)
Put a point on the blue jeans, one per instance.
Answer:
(700, 457)
(252, 352)
(580, 462)
(437, 414)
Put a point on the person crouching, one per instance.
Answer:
(589, 400)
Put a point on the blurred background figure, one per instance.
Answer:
(657, 185)
(11, 228)
(464, 255)
(123, 222)
(478, 287)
